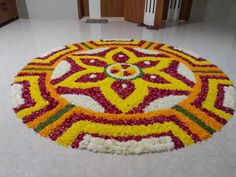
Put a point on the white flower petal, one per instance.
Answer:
(164, 103)
(84, 101)
(62, 68)
(92, 76)
(52, 50)
(96, 144)
(121, 40)
(93, 51)
(229, 97)
(146, 51)
(186, 72)
(124, 85)
(153, 77)
(16, 94)
(147, 62)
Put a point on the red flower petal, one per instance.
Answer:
(114, 71)
(126, 73)
(93, 62)
(92, 77)
(120, 57)
(124, 66)
(123, 88)
(146, 64)
(154, 78)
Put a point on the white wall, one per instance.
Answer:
(214, 11)
(22, 9)
(218, 10)
(52, 9)
(198, 10)
(232, 15)
(94, 9)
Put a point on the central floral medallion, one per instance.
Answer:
(122, 80)
(123, 71)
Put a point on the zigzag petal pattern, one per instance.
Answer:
(123, 96)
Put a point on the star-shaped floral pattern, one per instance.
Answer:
(124, 78)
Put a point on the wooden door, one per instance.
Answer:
(134, 10)
(83, 8)
(160, 10)
(112, 8)
(165, 10)
(185, 10)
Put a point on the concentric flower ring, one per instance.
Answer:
(123, 96)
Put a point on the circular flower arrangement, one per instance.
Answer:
(123, 96)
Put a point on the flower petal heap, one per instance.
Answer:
(123, 96)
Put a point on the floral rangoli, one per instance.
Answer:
(123, 96)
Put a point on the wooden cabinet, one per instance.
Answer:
(8, 10)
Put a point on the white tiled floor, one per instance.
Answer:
(23, 153)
